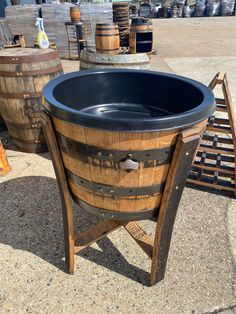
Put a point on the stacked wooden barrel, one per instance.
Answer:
(107, 38)
(23, 74)
(121, 17)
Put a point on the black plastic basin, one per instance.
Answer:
(128, 100)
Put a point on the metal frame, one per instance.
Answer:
(156, 249)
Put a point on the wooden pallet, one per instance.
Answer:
(214, 164)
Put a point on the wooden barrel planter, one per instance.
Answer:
(90, 60)
(107, 38)
(23, 74)
(141, 36)
(75, 14)
(117, 146)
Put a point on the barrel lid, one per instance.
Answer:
(128, 100)
(20, 55)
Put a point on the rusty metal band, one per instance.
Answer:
(28, 59)
(116, 215)
(31, 73)
(25, 95)
(115, 191)
(152, 158)
(33, 125)
(106, 35)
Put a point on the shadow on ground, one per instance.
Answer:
(31, 220)
(8, 144)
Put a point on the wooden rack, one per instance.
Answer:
(214, 164)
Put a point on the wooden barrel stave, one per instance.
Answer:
(21, 81)
(107, 38)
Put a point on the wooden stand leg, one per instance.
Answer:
(180, 165)
(68, 217)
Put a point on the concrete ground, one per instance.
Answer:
(111, 276)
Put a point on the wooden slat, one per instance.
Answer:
(213, 83)
(220, 101)
(141, 237)
(212, 167)
(206, 181)
(219, 129)
(212, 156)
(218, 150)
(95, 233)
(220, 77)
(210, 138)
(222, 121)
(212, 172)
(221, 109)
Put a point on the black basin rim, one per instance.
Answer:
(176, 121)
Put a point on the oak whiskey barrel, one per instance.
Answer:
(117, 145)
(23, 74)
(75, 14)
(107, 38)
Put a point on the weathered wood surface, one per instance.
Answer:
(23, 74)
(67, 210)
(183, 156)
(107, 38)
